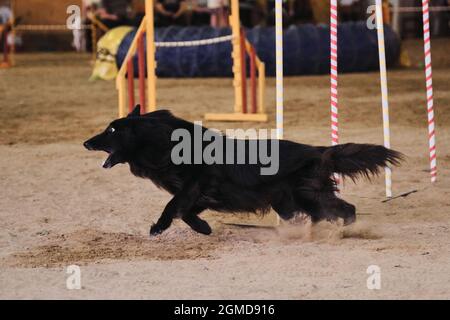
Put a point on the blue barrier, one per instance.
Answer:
(306, 50)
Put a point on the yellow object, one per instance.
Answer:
(105, 65)
(405, 61)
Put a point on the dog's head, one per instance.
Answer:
(118, 140)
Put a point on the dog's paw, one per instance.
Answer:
(349, 220)
(203, 228)
(199, 225)
(155, 230)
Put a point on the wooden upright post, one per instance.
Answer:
(243, 71)
(235, 23)
(141, 68)
(261, 87)
(130, 77)
(151, 63)
(253, 79)
(122, 90)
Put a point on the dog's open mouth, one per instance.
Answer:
(108, 163)
(114, 157)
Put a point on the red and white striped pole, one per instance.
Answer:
(334, 72)
(429, 86)
(334, 78)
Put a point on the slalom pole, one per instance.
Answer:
(429, 86)
(384, 92)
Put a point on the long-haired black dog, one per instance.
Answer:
(304, 181)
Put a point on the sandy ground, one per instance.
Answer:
(58, 207)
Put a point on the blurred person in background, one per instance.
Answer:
(137, 12)
(114, 13)
(5, 13)
(288, 12)
(440, 20)
(301, 12)
(173, 12)
(201, 14)
(349, 10)
(5, 20)
(219, 12)
(90, 8)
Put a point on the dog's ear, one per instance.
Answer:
(136, 111)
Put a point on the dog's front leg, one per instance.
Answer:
(181, 203)
(166, 218)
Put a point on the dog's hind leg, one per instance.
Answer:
(333, 207)
(329, 207)
(192, 220)
(285, 206)
(286, 200)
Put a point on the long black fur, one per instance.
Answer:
(304, 182)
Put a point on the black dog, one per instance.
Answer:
(303, 183)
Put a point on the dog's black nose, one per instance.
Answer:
(87, 145)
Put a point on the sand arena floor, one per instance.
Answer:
(58, 207)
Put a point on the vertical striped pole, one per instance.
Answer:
(279, 73)
(334, 78)
(279, 66)
(384, 91)
(429, 85)
(334, 72)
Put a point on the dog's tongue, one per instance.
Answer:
(108, 162)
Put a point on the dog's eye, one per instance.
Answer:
(111, 130)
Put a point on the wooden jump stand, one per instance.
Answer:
(126, 72)
(241, 48)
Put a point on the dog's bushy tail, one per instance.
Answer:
(355, 160)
